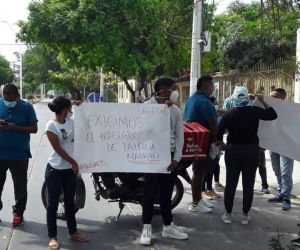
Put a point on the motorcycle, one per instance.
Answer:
(123, 188)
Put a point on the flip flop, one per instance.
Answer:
(53, 244)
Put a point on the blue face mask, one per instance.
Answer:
(10, 104)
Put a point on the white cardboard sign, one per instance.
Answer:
(112, 137)
(283, 134)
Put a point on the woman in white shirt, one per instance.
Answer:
(61, 170)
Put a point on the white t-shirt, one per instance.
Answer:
(65, 133)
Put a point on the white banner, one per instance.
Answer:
(282, 135)
(112, 137)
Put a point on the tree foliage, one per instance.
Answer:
(146, 39)
(128, 37)
(38, 63)
(43, 65)
(6, 73)
(248, 33)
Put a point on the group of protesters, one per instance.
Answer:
(242, 155)
(240, 120)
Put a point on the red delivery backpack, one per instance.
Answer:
(196, 141)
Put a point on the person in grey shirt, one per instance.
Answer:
(164, 183)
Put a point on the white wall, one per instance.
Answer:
(124, 95)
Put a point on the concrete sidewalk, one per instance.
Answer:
(206, 231)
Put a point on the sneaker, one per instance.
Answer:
(18, 220)
(146, 235)
(226, 218)
(286, 205)
(265, 190)
(207, 196)
(194, 208)
(173, 232)
(245, 219)
(296, 242)
(219, 186)
(203, 208)
(212, 193)
(200, 207)
(277, 199)
(209, 205)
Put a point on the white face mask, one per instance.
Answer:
(69, 115)
(174, 96)
(10, 104)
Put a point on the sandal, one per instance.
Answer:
(79, 237)
(53, 243)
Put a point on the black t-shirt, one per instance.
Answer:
(242, 124)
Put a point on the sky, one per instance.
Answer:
(13, 10)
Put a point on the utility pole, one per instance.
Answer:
(101, 90)
(297, 75)
(21, 73)
(196, 45)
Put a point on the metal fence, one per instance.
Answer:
(261, 78)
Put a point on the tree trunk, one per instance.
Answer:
(143, 79)
(125, 80)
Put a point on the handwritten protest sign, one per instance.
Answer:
(112, 137)
(281, 135)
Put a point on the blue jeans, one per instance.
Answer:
(283, 169)
(58, 180)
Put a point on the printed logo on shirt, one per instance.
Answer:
(64, 133)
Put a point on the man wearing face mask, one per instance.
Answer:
(17, 121)
(164, 183)
(200, 109)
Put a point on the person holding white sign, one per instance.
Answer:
(61, 170)
(283, 168)
(164, 183)
(242, 149)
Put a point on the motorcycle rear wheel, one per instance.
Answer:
(61, 208)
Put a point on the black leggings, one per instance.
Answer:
(215, 172)
(240, 158)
